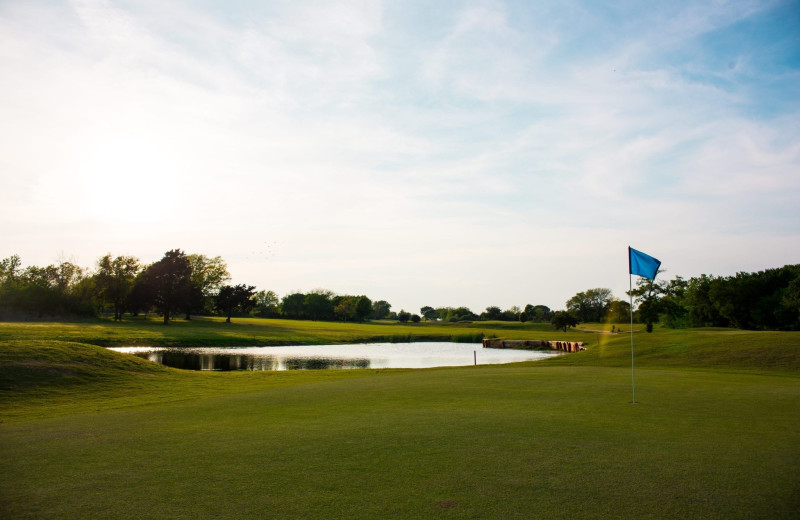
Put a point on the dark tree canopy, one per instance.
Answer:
(591, 305)
(380, 310)
(234, 298)
(169, 282)
(563, 319)
(114, 280)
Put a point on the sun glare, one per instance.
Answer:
(130, 180)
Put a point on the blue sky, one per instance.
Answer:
(465, 153)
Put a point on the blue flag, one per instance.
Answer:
(642, 264)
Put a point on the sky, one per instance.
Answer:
(453, 153)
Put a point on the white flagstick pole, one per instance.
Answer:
(633, 374)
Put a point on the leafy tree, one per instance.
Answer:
(415, 318)
(618, 311)
(346, 309)
(403, 316)
(292, 305)
(511, 314)
(456, 314)
(142, 296)
(538, 313)
(590, 306)
(208, 275)
(266, 304)
(10, 270)
(698, 299)
(647, 294)
(492, 313)
(791, 300)
(429, 313)
(169, 282)
(236, 298)
(54, 290)
(319, 305)
(674, 311)
(363, 307)
(380, 310)
(115, 279)
(563, 319)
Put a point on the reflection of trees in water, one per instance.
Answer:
(188, 360)
(314, 363)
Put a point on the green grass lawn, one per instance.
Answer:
(88, 433)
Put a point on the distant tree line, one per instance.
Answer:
(765, 300)
(531, 313)
(176, 284)
(193, 284)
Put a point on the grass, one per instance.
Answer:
(256, 331)
(88, 433)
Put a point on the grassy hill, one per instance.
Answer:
(89, 433)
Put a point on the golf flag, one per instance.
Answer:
(642, 264)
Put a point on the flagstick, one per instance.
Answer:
(633, 374)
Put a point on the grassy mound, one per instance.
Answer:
(27, 364)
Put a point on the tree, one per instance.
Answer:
(266, 304)
(619, 311)
(429, 313)
(647, 294)
(346, 309)
(292, 305)
(363, 307)
(791, 300)
(170, 282)
(563, 319)
(492, 313)
(511, 314)
(590, 306)
(403, 316)
(114, 281)
(236, 298)
(54, 290)
(319, 305)
(380, 310)
(538, 313)
(455, 315)
(673, 303)
(208, 275)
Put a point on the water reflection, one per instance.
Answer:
(319, 357)
(193, 360)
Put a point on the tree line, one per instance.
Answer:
(176, 284)
(764, 300)
(194, 284)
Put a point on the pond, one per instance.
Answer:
(366, 355)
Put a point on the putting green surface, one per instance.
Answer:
(90, 434)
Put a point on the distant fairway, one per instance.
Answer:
(89, 433)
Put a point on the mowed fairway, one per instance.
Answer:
(537, 440)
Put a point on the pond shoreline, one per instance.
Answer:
(357, 355)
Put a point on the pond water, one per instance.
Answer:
(367, 355)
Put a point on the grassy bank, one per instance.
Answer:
(88, 433)
(256, 331)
